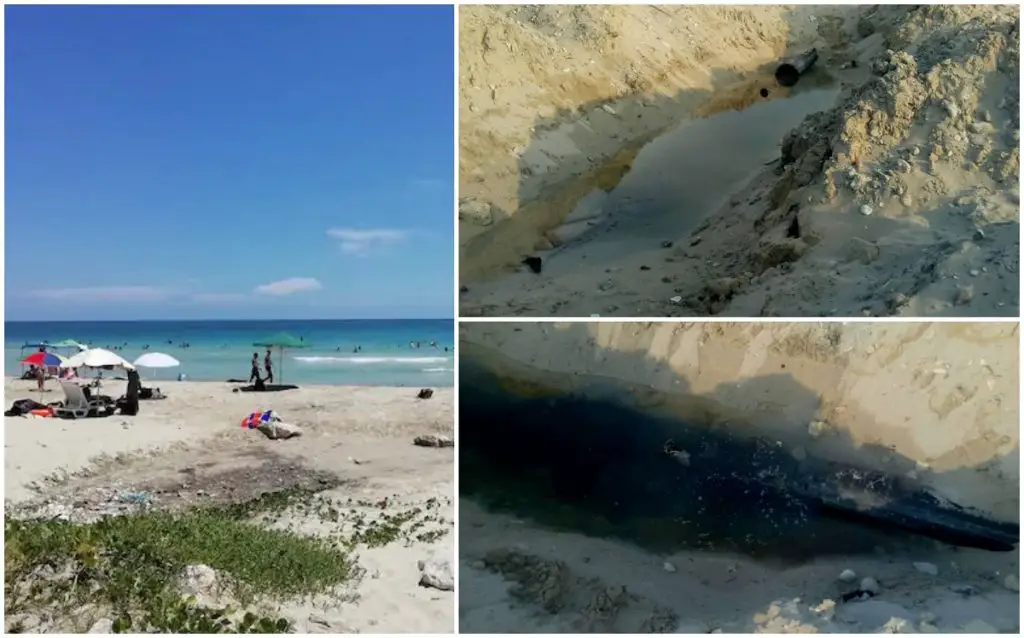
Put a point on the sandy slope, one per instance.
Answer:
(922, 132)
(937, 403)
(360, 435)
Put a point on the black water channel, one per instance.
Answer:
(602, 469)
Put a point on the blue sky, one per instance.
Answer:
(228, 162)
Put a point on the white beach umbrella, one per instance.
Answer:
(157, 360)
(97, 358)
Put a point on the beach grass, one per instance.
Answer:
(130, 566)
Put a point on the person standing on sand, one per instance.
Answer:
(254, 373)
(268, 365)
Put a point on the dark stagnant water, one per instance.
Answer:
(601, 469)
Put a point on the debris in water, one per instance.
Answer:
(533, 263)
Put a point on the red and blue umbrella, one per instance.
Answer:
(43, 360)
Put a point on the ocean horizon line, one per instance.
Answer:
(319, 320)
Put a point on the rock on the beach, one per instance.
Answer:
(102, 626)
(669, 567)
(476, 212)
(1011, 583)
(848, 576)
(927, 568)
(870, 585)
(276, 430)
(436, 572)
(433, 440)
(199, 580)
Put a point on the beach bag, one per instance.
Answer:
(271, 425)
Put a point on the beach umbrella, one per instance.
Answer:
(281, 341)
(43, 360)
(156, 360)
(70, 343)
(97, 358)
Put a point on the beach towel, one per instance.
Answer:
(271, 425)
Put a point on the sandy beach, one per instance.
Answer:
(189, 450)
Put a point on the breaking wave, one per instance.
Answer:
(370, 360)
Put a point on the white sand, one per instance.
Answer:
(362, 435)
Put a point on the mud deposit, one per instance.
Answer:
(605, 470)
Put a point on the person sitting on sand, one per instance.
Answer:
(254, 373)
(268, 365)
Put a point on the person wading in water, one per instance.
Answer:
(268, 365)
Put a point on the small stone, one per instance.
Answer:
(669, 567)
(848, 576)
(915, 151)
(817, 429)
(979, 234)
(476, 212)
(608, 109)
(675, 299)
(927, 568)
(964, 295)
(963, 589)
(870, 585)
(433, 440)
(1011, 583)
(898, 626)
(866, 210)
(666, 244)
(437, 572)
(102, 626)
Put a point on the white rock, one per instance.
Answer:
(476, 212)
(1011, 583)
(199, 580)
(676, 299)
(669, 567)
(898, 626)
(436, 572)
(848, 576)
(927, 568)
(866, 210)
(871, 585)
(102, 626)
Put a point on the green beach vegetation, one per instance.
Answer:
(128, 569)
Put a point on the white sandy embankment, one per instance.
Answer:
(939, 401)
(630, 149)
(190, 449)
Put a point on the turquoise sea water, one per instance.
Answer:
(218, 350)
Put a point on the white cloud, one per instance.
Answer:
(361, 242)
(112, 294)
(289, 286)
